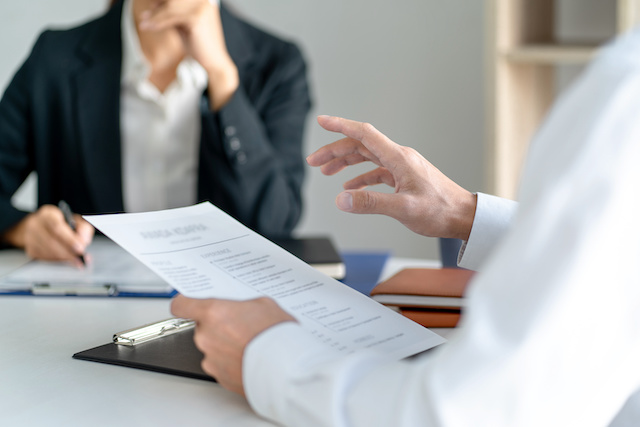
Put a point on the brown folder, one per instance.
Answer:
(432, 297)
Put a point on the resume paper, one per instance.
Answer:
(204, 253)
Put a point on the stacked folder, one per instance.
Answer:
(432, 297)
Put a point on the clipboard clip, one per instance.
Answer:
(107, 289)
(152, 331)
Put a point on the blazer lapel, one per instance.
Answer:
(97, 86)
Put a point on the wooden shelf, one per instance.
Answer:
(522, 59)
(550, 54)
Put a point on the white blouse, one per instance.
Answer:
(160, 131)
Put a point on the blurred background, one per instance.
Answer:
(413, 68)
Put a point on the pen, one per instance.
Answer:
(68, 217)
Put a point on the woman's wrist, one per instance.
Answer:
(223, 83)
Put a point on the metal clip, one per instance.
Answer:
(152, 331)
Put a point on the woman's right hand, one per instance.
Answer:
(45, 235)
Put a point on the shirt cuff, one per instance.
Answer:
(492, 220)
(273, 359)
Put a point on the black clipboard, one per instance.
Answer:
(174, 354)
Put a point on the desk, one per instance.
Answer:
(40, 384)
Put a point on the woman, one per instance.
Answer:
(151, 106)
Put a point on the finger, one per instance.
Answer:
(210, 366)
(156, 13)
(374, 177)
(189, 308)
(341, 148)
(43, 245)
(50, 237)
(169, 14)
(88, 259)
(158, 21)
(368, 202)
(54, 222)
(336, 165)
(374, 140)
(84, 230)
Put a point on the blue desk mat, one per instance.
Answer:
(363, 269)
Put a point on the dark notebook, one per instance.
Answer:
(319, 252)
(174, 354)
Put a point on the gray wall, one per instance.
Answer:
(413, 68)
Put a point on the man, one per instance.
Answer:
(551, 332)
(154, 105)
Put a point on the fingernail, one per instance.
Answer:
(344, 201)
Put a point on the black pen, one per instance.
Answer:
(68, 217)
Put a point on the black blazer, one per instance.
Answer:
(60, 117)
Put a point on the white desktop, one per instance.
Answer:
(42, 385)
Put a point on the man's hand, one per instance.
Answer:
(199, 24)
(425, 200)
(45, 235)
(224, 329)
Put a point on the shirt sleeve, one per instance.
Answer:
(492, 220)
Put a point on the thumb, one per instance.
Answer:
(187, 308)
(366, 202)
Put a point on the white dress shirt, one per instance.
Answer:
(160, 131)
(551, 334)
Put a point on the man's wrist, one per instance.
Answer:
(462, 221)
